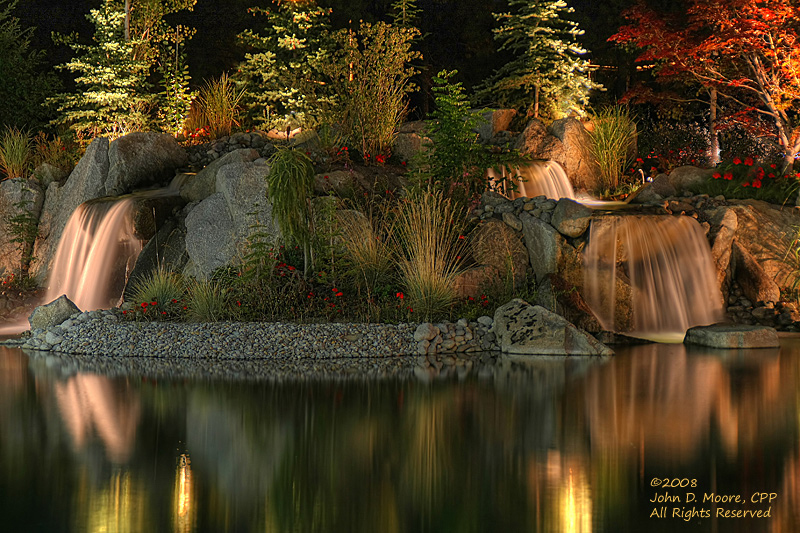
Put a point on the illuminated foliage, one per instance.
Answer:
(548, 74)
(746, 50)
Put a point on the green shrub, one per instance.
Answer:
(367, 249)
(428, 229)
(613, 136)
(160, 294)
(15, 153)
(53, 152)
(219, 106)
(370, 73)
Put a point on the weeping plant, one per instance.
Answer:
(613, 136)
(290, 185)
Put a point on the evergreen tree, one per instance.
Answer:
(176, 96)
(114, 94)
(405, 13)
(281, 71)
(112, 90)
(548, 74)
(24, 86)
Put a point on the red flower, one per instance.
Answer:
(771, 175)
(773, 165)
(153, 303)
(736, 161)
(339, 294)
(728, 176)
(716, 175)
(400, 295)
(746, 184)
(756, 184)
(410, 310)
(748, 161)
(174, 301)
(144, 304)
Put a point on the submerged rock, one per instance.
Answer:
(732, 336)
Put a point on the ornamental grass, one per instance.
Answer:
(15, 153)
(219, 106)
(208, 301)
(432, 251)
(161, 293)
(612, 137)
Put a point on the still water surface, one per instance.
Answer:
(555, 445)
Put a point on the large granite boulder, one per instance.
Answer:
(570, 218)
(53, 313)
(204, 183)
(536, 142)
(496, 245)
(140, 159)
(17, 196)
(495, 121)
(166, 250)
(217, 228)
(733, 336)
(578, 163)
(524, 329)
(546, 246)
(756, 285)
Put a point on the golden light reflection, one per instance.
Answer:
(561, 494)
(117, 508)
(185, 511)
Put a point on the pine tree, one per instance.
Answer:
(548, 74)
(281, 72)
(112, 90)
(176, 96)
(405, 13)
(23, 84)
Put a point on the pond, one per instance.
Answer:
(551, 445)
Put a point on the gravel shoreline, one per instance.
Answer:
(105, 333)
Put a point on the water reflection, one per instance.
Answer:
(490, 444)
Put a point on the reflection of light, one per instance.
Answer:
(117, 508)
(282, 134)
(184, 510)
(577, 505)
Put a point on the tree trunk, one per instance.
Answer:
(127, 20)
(713, 148)
(536, 101)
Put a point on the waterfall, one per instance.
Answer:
(668, 264)
(97, 250)
(537, 178)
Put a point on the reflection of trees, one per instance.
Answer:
(89, 403)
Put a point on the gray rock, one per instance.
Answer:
(578, 162)
(53, 313)
(426, 332)
(204, 183)
(544, 245)
(244, 187)
(142, 158)
(512, 221)
(685, 177)
(53, 338)
(527, 329)
(16, 196)
(756, 285)
(210, 232)
(47, 174)
(733, 336)
(570, 218)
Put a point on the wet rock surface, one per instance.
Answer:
(733, 336)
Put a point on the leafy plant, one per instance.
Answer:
(612, 139)
(453, 162)
(54, 152)
(15, 153)
(370, 75)
(219, 106)
(176, 97)
(746, 178)
(432, 251)
(290, 185)
(24, 229)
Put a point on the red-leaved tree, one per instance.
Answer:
(747, 51)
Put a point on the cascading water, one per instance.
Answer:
(97, 250)
(668, 263)
(537, 178)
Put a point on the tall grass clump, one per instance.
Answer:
(161, 292)
(612, 138)
(368, 250)
(290, 185)
(219, 105)
(208, 301)
(15, 153)
(432, 250)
